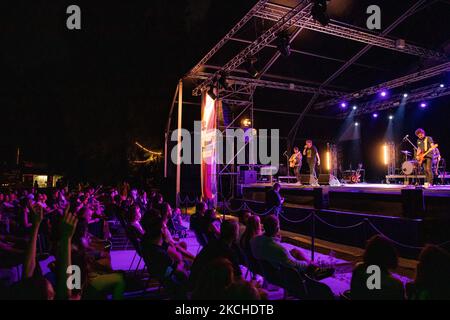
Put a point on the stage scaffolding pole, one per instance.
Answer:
(166, 138)
(180, 113)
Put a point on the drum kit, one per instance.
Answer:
(409, 167)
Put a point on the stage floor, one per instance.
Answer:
(440, 190)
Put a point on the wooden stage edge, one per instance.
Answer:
(441, 190)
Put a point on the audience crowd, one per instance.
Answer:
(66, 228)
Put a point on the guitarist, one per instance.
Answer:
(295, 163)
(424, 144)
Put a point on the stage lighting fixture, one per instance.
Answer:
(354, 107)
(385, 155)
(375, 115)
(423, 104)
(383, 93)
(283, 44)
(343, 105)
(405, 95)
(391, 117)
(319, 12)
(249, 66)
(246, 122)
(356, 124)
(222, 80)
(441, 85)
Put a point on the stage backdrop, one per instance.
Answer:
(208, 143)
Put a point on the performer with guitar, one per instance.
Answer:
(295, 163)
(424, 155)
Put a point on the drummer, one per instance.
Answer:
(435, 164)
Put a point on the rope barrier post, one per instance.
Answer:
(313, 234)
(223, 208)
(365, 231)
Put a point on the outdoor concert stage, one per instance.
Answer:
(351, 213)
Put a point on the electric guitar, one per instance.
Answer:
(356, 177)
(420, 157)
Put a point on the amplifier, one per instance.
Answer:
(248, 176)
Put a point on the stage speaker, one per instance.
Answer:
(305, 178)
(308, 179)
(248, 176)
(413, 203)
(324, 178)
(329, 179)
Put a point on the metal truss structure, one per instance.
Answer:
(241, 81)
(274, 12)
(294, 19)
(301, 11)
(395, 83)
(417, 95)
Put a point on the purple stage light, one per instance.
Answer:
(343, 105)
(375, 115)
(441, 85)
(423, 104)
(405, 95)
(383, 93)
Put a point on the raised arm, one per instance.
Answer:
(37, 214)
(64, 254)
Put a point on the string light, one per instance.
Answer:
(153, 155)
(147, 150)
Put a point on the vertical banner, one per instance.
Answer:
(208, 143)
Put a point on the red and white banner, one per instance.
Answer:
(208, 145)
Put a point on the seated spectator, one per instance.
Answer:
(224, 247)
(172, 273)
(267, 247)
(214, 281)
(158, 200)
(243, 218)
(379, 252)
(252, 230)
(134, 221)
(195, 219)
(432, 280)
(175, 248)
(210, 225)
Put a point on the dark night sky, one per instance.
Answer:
(78, 99)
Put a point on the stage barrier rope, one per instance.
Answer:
(244, 205)
(297, 221)
(258, 213)
(339, 227)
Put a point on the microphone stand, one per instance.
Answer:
(287, 163)
(413, 145)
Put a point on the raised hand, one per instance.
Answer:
(37, 214)
(68, 224)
